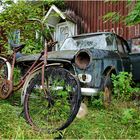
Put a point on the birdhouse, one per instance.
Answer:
(62, 25)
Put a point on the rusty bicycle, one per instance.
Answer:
(51, 94)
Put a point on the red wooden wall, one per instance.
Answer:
(90, 17)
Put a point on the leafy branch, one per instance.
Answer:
(132, 18)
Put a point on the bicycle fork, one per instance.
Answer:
(46, 91)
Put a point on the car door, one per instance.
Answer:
(123, 54)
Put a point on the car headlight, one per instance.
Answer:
(83, 59)
(85, 78)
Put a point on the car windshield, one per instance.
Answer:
(101, 41)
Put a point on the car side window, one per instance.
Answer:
(125, 47)
(120, 46)
(109, 41)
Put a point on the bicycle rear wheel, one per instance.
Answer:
(5, 83)
(3, 69)
(55, 108)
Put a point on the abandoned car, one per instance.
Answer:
(93, 58)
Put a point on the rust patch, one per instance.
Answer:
(83, 59)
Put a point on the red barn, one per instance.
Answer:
(89, 17)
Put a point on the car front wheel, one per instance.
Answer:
(107, 91)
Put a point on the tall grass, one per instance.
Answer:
(120, 121)
(12, 122)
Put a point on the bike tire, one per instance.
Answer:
(56, 110)
(5, 84)
(5, 68)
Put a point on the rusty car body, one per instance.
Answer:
(91, 57)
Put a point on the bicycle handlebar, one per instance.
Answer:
(43, 25)
(38, 20)
(35, 19)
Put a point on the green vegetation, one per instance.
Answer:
(15, 18)
(13, 124)
(133, 16)
(120, 121)
(122, 85)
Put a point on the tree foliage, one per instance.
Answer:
(15, 17)
(132, 18)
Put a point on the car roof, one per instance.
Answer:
(92, 34)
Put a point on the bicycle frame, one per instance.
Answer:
(34, 66)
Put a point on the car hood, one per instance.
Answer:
(65, 55)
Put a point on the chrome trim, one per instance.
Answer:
(89, 91)
(88, 78)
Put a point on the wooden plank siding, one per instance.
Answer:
(91, 13)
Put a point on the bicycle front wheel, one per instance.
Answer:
(54, 106)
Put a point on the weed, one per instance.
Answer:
(96, 101)
(128, 116)
(122, 85)
(17, 75)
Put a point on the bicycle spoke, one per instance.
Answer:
(5, 84)
(56, 110)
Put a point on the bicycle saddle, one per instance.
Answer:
(17, 47)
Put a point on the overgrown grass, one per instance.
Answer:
(120, 121)
(13, 124)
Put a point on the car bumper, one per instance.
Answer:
(89, 91)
